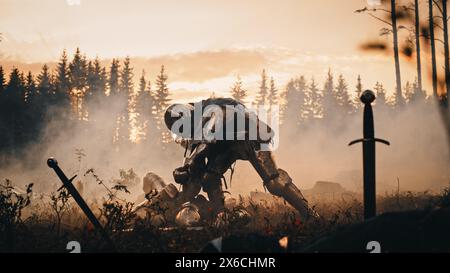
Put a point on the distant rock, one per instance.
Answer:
(326, 189)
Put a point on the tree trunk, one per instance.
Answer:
(398, 92)
(433, 48)
(446, 49)
(444, 97)
(417, 28)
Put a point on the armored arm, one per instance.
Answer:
(279, 183)
(192, 164)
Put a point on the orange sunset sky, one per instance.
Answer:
(205, 43)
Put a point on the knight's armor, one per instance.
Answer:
(208, 160)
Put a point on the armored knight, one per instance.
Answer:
(208, 158)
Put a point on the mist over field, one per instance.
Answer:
(315, 150)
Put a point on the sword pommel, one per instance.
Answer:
(52, 163)
(367, 96)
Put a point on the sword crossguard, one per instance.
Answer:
(355, 141)
(369, 139)
(385, 142)
(63, 186)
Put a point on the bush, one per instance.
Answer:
(12, 204)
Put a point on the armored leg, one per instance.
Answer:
(189, 214)
(217, 165)
(212, 185)
(278, 182)
(190, 191)
(191, 173)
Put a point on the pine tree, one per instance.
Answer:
(78, 83)
(5, 126)
(142, 83)
(127, 100)
(145, 99)
(126, 78)
(417, 95)
(238, 92)
(91, 80)
(272, 97)
(60, 92)
(15, 89)
(14, 108)
(2, 80)
(162, 92)
(78, 72)
(44, 82)
(141, 105)
(294, 110)
(95, 96)
(62, 80)
(262, 93)
(342, 96)
(144, 108)
(161, 100)
(30, 88)
(381, 100)
(35, 107)
(114, 77)
(290, 109)
(328, 98)
(96, 81)
(408, 91)
(115, 98)
(302, 90)
(101, 76)
(358, 92)
(316, 106)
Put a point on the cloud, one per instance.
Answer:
(205, 65)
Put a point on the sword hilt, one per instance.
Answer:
(53, 163)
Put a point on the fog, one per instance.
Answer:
(418, 155)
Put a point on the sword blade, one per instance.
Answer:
(369, 163)
(52, 163)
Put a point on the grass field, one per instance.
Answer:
(30, 223)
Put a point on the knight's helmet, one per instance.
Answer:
(181, 113)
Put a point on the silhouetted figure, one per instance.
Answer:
(207, 162)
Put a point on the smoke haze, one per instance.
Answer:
(418, 155)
